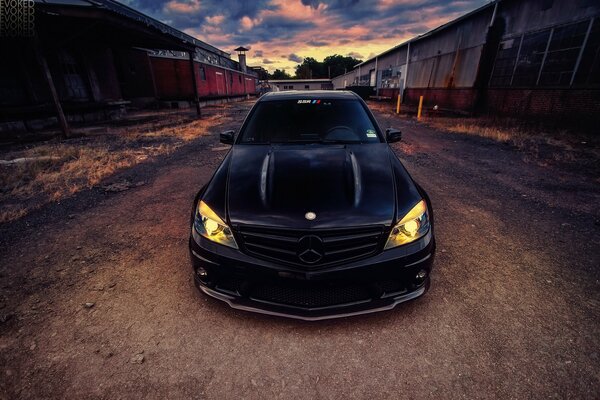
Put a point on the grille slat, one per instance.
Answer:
(349, 249)
(336, 239)
(270, 248)
(334, 245)
(276, 237)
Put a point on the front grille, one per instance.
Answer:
(325, 247)
(310, 296)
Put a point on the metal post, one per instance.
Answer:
(493, 19)
(512, 76)
(376, 85)
(587, 35)
(406, 69)
(64, 126)
(537, 82)
(420, 108)
(398, 104)
(194, 84)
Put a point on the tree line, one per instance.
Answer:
(310, 68)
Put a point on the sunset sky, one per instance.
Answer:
(280, 33)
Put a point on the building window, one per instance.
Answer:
(202, 73)
(588, 72)
(364, 80)
(390, 77)
(549, 59)
(563, 51)
(306, 87)
(506, 58)
(75, 86)
(530, 59)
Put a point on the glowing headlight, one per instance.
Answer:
(208, 224)
(414, 225)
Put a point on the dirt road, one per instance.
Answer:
(513, 310)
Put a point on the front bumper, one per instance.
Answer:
(373, 284)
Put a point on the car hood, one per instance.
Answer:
(344, 185)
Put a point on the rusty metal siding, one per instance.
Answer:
(450, 57)
(394, 59)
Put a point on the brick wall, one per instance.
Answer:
(391, 93)
(458, 99)
(570, 104)
(565, 105)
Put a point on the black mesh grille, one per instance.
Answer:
(331, 246)
(310, 297)
(391, 287)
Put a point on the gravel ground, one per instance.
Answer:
(97, 300)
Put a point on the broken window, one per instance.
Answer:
(530, 59)
(565, 46)
(390, 77)
(588, 72)
(504, 65)
(74, 85)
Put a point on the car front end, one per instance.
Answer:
(312, 228)
(378, 281)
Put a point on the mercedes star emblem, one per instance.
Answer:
(310, 249)
(310, 215)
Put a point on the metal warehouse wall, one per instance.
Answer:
(342, 81)
(540, 54)
(450, 57)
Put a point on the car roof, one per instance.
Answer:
(308, 94)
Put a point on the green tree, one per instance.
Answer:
(310, 68)
(331, 66)
(337, 64)
(280, 74)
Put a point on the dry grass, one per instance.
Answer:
(56, 170)
(494, 132)
(542, 144)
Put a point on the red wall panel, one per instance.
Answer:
(173, 80)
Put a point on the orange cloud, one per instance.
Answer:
(179, 7)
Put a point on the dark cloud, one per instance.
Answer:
(295, 58)
(355, 55)
(272, 27)
(219, 22)
(317, 43)
(332, 4)
(267, 61)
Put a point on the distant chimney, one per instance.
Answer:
(242, 57)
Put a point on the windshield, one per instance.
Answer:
(310, 121)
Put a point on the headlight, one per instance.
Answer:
(414, 225)
(208, 224)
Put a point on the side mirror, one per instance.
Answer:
(227, 137)
(393, 135)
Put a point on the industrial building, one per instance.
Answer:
(301, 84)
(90, 60)
(526, 58)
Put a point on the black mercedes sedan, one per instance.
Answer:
(311, 215)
